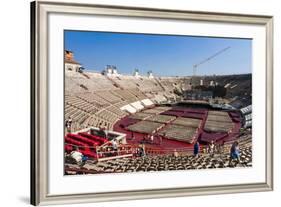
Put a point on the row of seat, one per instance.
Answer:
(93, 98)
(72, 86)
(108, 96)
(167, 162)
(137, 93)
(107, 115)
(85, 140)
(125, 95)
(93, 82)
(77, 115)
(80, 103)
(115, 110)
(93, 137)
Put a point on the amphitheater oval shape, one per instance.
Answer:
(96, 116)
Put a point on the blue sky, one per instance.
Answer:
(165, 55)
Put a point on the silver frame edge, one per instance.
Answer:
(39, 101)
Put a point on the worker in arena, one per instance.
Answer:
(196, 149)
(68, 124)
(234, 153)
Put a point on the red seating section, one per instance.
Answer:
(84, 139)
(68, 148)
(235, 116)
(95, 138)
(87, 143)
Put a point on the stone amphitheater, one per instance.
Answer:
(139, 106)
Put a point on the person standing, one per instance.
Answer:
(140, 151)
(212, 148)
(68, 124)
(114, 145)
(221, 148)
(176, 154)
(106, 132)
(196, 149)
(152, 139)
(234, 153)
(143, 150)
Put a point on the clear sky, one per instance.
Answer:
(165, 55)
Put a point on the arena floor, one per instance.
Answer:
(187, 125)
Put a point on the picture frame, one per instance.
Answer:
(40, 148)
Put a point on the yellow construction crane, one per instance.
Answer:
(207, 59)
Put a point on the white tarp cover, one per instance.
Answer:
(129, 109)
(137, 105)
(147, 102)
